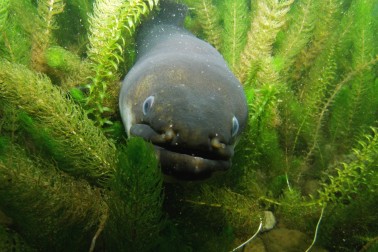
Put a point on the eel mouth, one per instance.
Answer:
(181, 162)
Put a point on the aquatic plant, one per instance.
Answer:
(209, 19)
(309, 153)
(73, 137)
(111, 24)
(135, 200)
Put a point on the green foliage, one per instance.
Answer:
(74, 136)
(360, 96)
(209, 19)
(15, 37)
(324, 24)
(4, 8)
(112, 21)
(11, 241)
(136, 199)
(355, 175)
(57, 57)
(67, 67)
(269, 18)
(299, 32)
(47, 10)
(235, 30)
(294, 212)
(50, 209)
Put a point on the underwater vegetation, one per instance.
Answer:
(69, 181)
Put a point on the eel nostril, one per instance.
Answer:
(216, 144)
(169, 134)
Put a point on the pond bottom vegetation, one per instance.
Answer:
(69, 181)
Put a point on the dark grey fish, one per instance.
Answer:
(181, 96)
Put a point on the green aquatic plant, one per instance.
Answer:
(236, 24)
(47, 10)
(76, 139)
(209, 19)
(10, 240)
(298, 34)
(111, 23)
(354, 175)
(50, 208)
(269, 18)
(4, 9)
(136, 199)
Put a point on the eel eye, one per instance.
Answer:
(235, 126)
(147, 104)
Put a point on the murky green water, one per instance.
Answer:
(304, 173)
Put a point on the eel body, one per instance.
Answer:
(181, 96)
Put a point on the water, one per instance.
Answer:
(309, 154)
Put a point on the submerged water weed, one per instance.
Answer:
(89, 153)
(309, 70)
(111, 23)
(50, 209)
(135, 200)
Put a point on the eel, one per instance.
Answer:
(181, 96)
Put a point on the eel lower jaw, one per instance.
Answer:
(189, 167)
(181, 163)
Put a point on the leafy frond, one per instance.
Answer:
(355, 105)
(136, 199)
(209, 18)
(325, 23)
(47, 10)
(67, 67)
(4, 8)
(330, 100)
(270, 16)
(353, 175)
(313, 92)
(16, 34)
(49, 208)
(241, 212)
(90, 154)
(235, 29)
(300, 30)
(110, 23)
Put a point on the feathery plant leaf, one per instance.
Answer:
(4, 8)
(330, 100)
(362, 91)
(235, 29)
(89, 152)
(16, 34)
(270, 16)
(110, 23)
(47, 9)
(236, 208)
(209, 18)
(137, 197)
(353, 175)
(325, 23)
(300, 29)
(313, 93)
(67, 67)
(50, 208)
